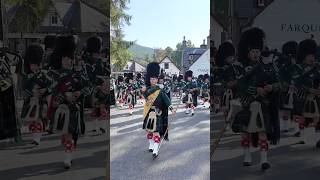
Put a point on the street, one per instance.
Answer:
(288, 159)
(26, 162)
(184, 156)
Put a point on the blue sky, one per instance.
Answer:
(163, 23)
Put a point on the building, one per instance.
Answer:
(218, 32)
(76, 17)
(201, 65)
(286, 20)
(133, 66)
(190, 55)
(167, 65)
(235, 15)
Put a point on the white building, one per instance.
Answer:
(217, 32)
(285, 20)
(202, 65)
(134, 66)
(169, 67)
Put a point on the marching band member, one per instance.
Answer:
(206, 91)
(155, 109)
(181, 84)
(97, 70)
(67, 89)
(121, 91)
(35, 87)
(139, 84)
(191, 93)
(308, 87)
(258, 88)
(286, 64)
(131, 93)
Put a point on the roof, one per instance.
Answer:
(170, 61)
(78, 16)
(218, 21)
(82, 17)
(201, 57)
(251, 19)
(205, 65)
(132, 67)
(196, 52)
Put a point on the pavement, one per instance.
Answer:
(184, 156)
(24, 161)
(288, 159)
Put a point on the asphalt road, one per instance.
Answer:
(185, 156)
(27, 162)
(288, 159)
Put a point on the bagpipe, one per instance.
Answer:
(5, 72)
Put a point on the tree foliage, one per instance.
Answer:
(120, 54)
(29, 14)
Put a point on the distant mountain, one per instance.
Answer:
(141, 51)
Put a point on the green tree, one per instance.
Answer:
(169, 51)
(177, 54)
(145, 60)
(120, 54)
(189, 44)
(30, 14)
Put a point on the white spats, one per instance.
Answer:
(302, 137)
(206, 105)
(187, 110)
(151, 145)
(36, 138)
(247, 155)
(155, 149)
(67, 159)
(263, 157)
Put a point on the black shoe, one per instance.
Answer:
(49, 132)
(265, 166)
(297, 134)
(166, 139)
(246, 163)
(192, 114)
(285, 131)
(301, 142)
(102, 130)
(34, 143)
(318, 144)
(150, 150)
(155, 155)
(67, 167)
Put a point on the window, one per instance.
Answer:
(190, 59)
(166, 65)
(260, 3)
(54, 19)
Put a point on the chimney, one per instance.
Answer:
(184, 42)
(204, 46)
